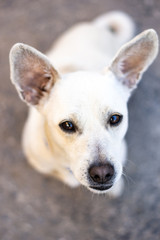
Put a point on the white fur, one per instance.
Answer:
(88, 96)
(89, 40)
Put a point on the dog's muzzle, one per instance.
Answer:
(101, 176)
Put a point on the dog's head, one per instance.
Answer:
(85, 113)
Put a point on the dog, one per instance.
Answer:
(77, 95)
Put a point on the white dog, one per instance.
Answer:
(78, 114)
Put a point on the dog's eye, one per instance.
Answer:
(68, 127)
(115, 119)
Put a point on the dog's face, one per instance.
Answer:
(87, 115)
(85, 112)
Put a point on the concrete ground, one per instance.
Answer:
(33, 207)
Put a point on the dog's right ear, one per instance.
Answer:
(31, 73)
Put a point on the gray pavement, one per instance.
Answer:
(33, 207)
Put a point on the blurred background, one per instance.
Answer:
(33, 207)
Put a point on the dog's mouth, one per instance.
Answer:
(101, 187)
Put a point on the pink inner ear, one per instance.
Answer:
(135, 57)
(131, 80)
(34, 86)
(32, 73)
(31, 95)
(133, 63)
(35, 77)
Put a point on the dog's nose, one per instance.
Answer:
(101, 173)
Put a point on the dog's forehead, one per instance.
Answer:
(93, 85)
(84, 91)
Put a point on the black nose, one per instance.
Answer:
(101, 173)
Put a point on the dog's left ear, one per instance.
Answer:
(31, 73)
(134, 58)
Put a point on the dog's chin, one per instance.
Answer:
(101, 189)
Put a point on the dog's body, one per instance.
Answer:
(78, 120)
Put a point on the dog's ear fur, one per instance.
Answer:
(31, 73)
(134, 58)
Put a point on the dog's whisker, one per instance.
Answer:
(128, 178)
